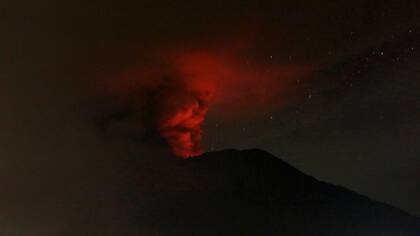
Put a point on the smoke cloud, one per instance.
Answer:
(175, 91)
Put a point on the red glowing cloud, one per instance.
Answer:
(180, 123)
(182, 87)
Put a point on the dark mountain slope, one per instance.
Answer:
(243, 193)
(254, 193)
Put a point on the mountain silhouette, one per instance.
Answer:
(251, 192)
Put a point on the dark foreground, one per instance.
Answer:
(243, 193)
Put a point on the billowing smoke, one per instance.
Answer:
(175, 91)
(181, 120)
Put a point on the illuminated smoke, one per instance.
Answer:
(181, 122)
(183, 87)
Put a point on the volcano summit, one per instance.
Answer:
(251, 192)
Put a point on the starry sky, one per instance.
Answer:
(331, 87)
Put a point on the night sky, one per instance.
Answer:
(331, 87)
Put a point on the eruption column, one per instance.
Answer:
(175, 92)
(181, 123)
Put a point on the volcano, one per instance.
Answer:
(250, 192)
